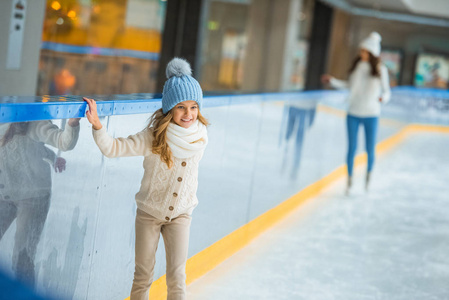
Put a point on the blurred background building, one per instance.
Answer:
(117, 46)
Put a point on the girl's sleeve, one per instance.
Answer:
(339, 84)
(50, 134)
(134, 145)
(386, 92)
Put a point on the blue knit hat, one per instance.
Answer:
(180, 86)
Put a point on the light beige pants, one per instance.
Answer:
(176, 240)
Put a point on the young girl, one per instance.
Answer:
(368, 87)
(172, 144)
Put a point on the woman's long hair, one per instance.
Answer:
(159, 121)
(374, 62)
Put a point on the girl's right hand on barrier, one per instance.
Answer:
(92, 115)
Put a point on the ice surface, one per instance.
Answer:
(391, 243)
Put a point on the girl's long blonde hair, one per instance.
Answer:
(159, 122)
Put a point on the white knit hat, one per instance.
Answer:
(372, 43)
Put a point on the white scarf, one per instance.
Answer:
(186, 142)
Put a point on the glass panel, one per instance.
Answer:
(255, 45)
(100, 46)
(224, 45)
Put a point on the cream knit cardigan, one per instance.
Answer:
(164, 193)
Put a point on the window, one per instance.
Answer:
(100, 46)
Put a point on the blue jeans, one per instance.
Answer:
(370, 125)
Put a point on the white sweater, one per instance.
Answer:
(164, 193)
(365, 90)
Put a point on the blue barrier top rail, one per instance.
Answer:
(23, 109)
(29, 108)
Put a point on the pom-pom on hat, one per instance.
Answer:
(180, 85)
(372, 43)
